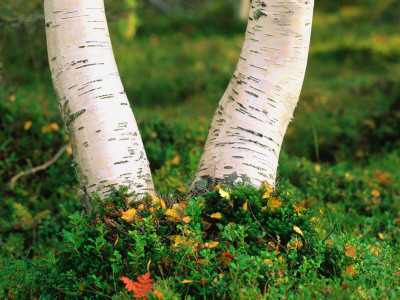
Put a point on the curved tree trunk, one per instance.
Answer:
(103, 133)
(247, 130)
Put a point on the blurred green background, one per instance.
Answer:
(175, 61)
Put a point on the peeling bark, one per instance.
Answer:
(103, 133)
(248, 127)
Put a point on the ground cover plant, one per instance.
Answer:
(340, 163)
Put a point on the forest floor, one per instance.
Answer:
(340, 160)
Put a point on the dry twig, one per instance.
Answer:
(38, 168)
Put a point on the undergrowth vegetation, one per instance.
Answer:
(330, 230)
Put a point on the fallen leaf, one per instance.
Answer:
(69, 150)
(271, 246)
(294, 244)
(351, 251)
(186, 220)
(129, 215)
(374, 251)
(224, 194)
(298, 230)
(216, 215)
(54, 126)
(211, 244)
(298, 209)
(158, 294)
(268, 261)
(27, 125)
(176, 160)
(187, 281)
(350, 270)
(173, 215)
(274, 203)
(375, 193)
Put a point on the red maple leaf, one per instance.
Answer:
(139, 288)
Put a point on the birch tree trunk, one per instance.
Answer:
(103, 133)
(244, 7)
(247, 130)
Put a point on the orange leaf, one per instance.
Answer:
(141, 287)
(350, 270)
(350, 251)
(244, 206)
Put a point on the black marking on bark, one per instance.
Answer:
(255, 167)
(54, 58)
(73, 117)
(228, 167)
(237, 156)
(112, 139)
(252, 94)
(80, 128)
(48, 24)
(71, 87)
(97, 131)
(75, 17)
(121, 162)
(261, 68)
(88, 65)
(73, 63)
(89, 91)
(124, 103)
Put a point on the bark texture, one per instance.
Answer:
(248, 127)
(103, 133)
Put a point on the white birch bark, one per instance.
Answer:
(103, 133)
(247, 130)
(244, 7)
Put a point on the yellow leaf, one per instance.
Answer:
(12, 98)
(375, 193)
(187, 281)
(381, 236)
(264, 208)
(141, 207)
(244, 206)
(116, 241)
(186, 220)
(153, 135)
(216, 215)
(317, 168)
(129, 215)
(66, 138)
(298, 209)
(269, 188)
(176, 160)
(45, 129)
(274, 203)
(294, 244)
(157, 202)
(350, 270)
(211, 244)
(28, 125)
(54, 126)
(268, 261)
(374, 251)
(69, 150)
(224, 194)
(173, 215)
(298, 230)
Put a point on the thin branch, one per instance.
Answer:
(38, 168)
